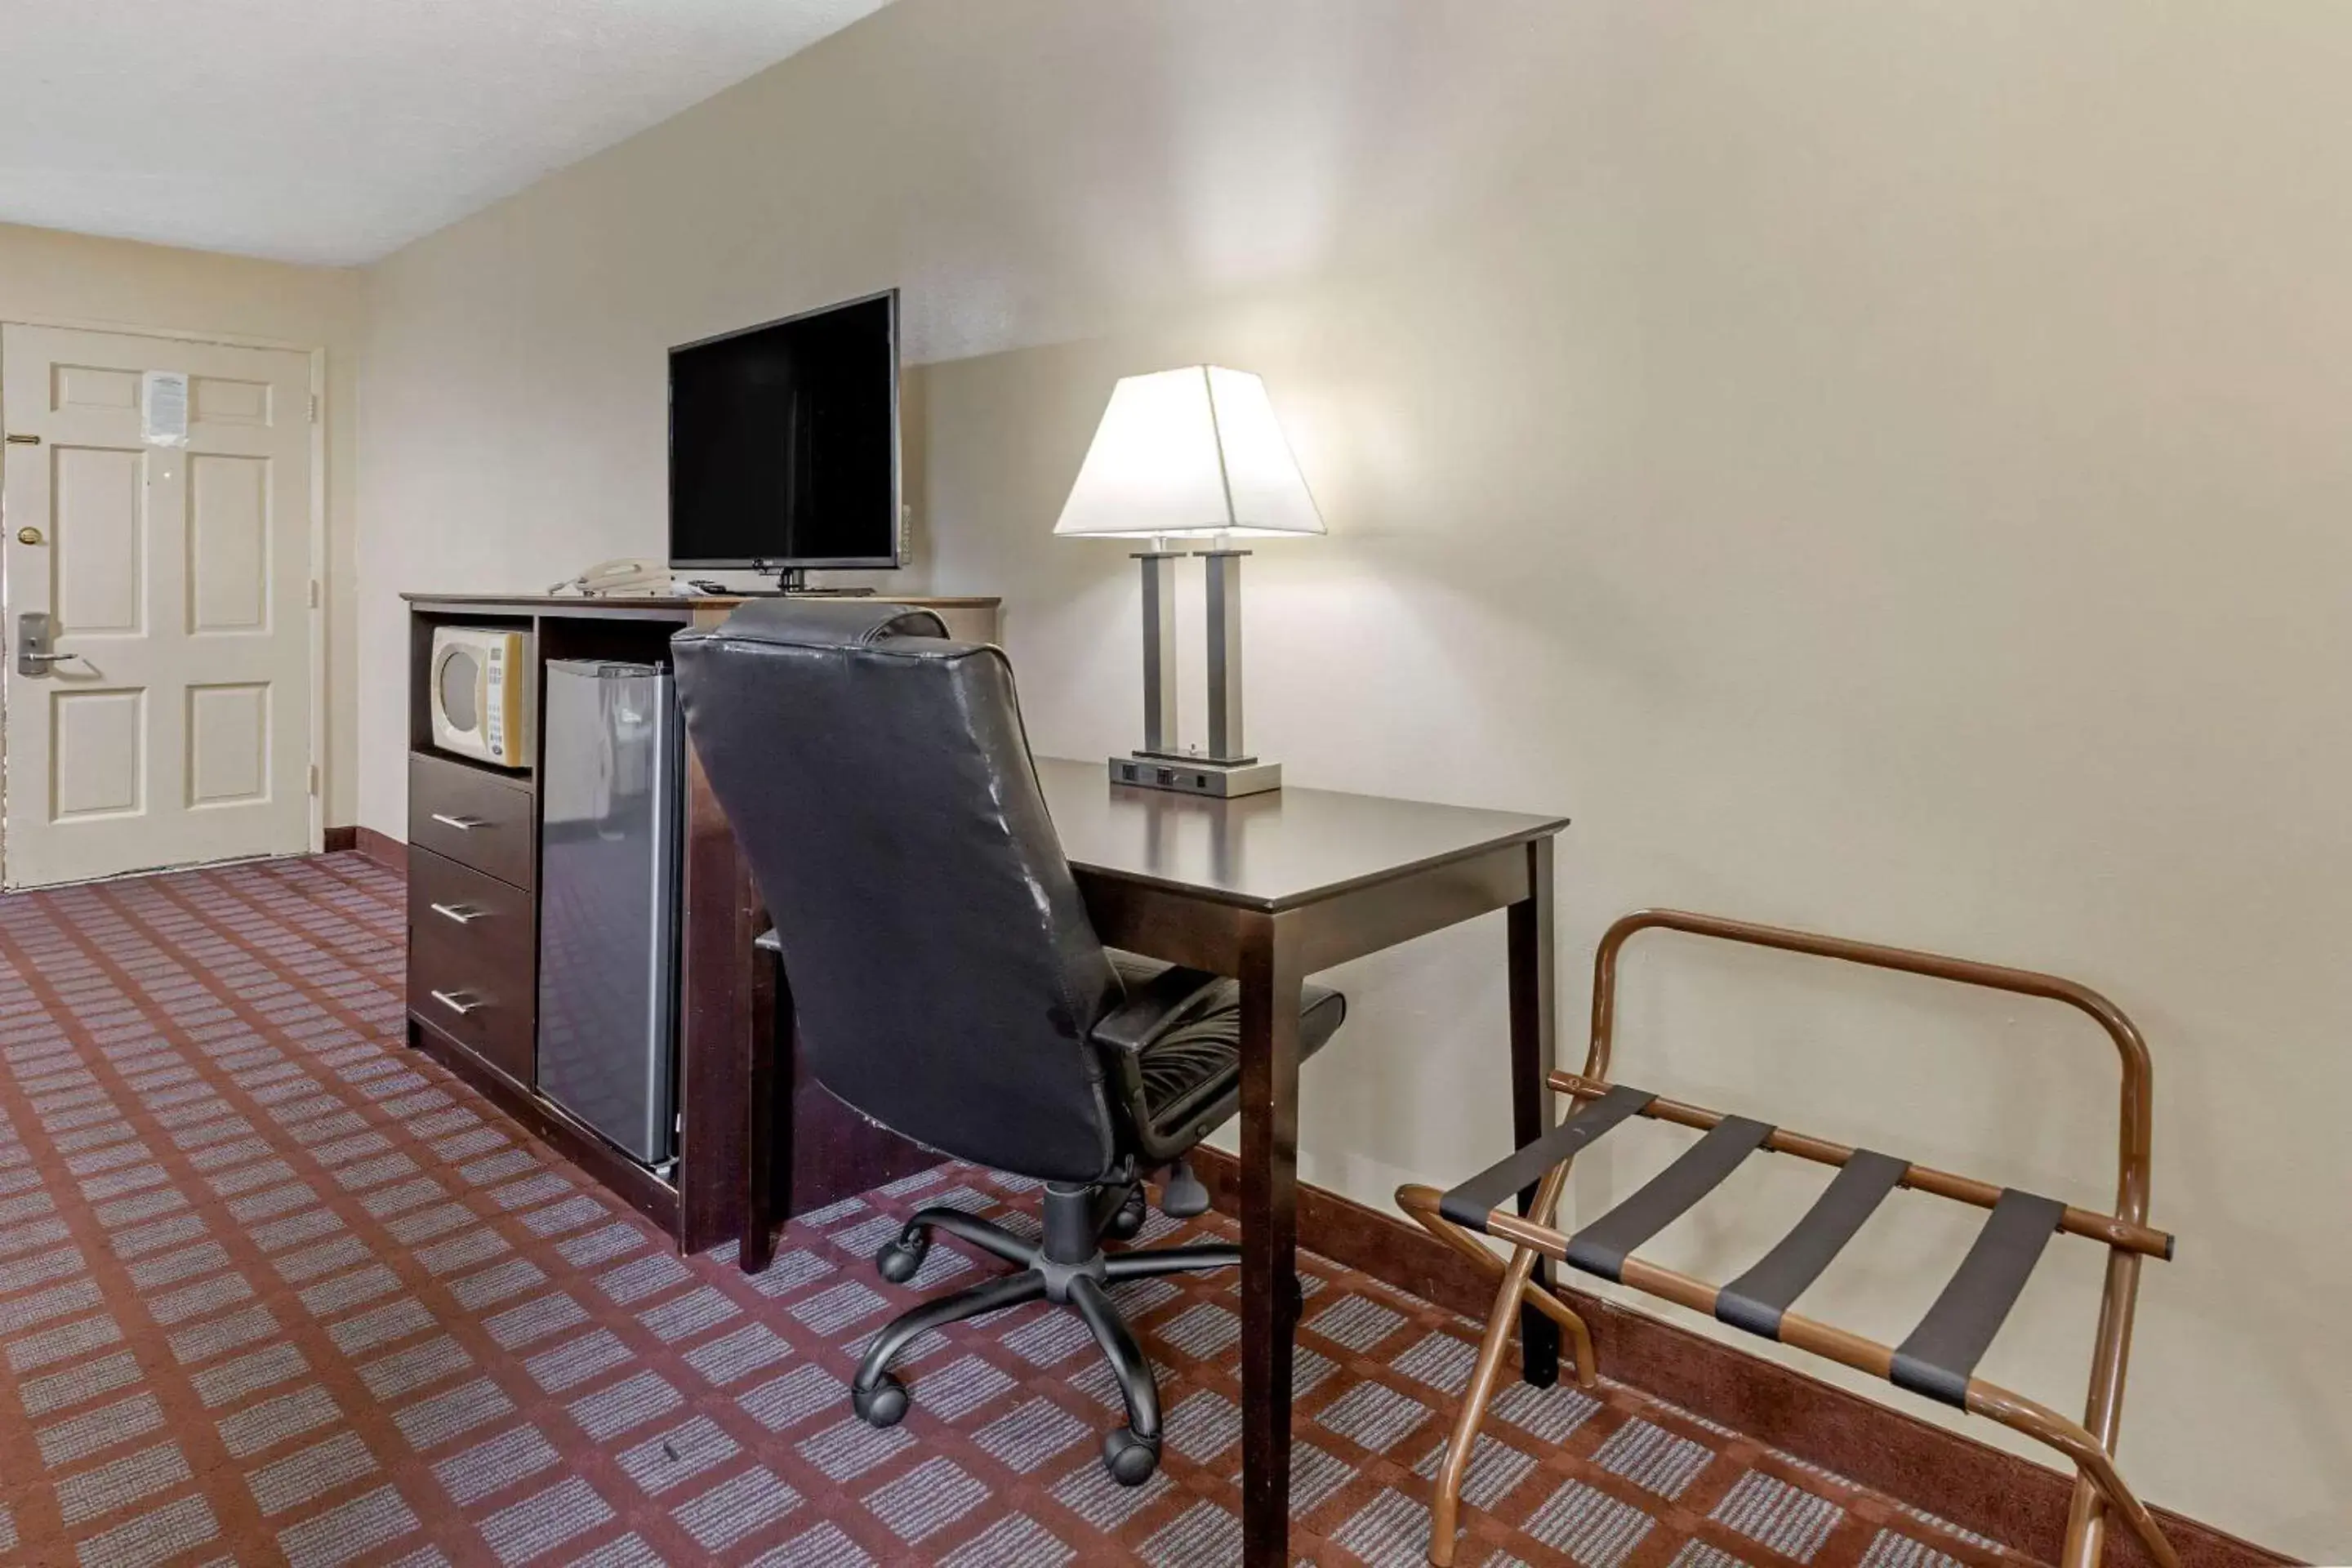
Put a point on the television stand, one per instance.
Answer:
(792, 581)
(725, 994)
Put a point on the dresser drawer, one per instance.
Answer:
(447, 899)
(472, 818)
(472, 961)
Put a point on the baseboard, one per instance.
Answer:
(1973, 1485)
(386, 851)
(340, 838)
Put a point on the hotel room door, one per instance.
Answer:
(155, 495)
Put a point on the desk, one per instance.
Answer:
(1269, 889)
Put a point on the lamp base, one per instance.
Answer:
(1196, 775)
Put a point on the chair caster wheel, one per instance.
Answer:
(900, 1258)
(1128, 1223)
(1130, 1460)
(884, 1405)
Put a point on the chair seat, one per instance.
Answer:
(1175, 1049)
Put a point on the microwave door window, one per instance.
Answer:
(460, 685)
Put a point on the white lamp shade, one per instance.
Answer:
(1184, 453)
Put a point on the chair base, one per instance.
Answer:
(1068, 1269)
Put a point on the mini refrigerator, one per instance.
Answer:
(609, 781)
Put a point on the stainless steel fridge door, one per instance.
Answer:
(608, 900)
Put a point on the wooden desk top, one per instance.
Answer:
(1270, 852)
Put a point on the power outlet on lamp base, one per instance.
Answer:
(1197, 775)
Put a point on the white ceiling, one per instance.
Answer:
(337, 131)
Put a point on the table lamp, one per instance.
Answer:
(1193, 453)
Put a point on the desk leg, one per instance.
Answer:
(1534, 1052)
(1270, 983)
(758, 1246)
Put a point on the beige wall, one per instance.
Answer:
(45, 276)
(1880, 466)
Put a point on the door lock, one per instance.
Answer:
(28, 535)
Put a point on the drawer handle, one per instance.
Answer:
(460, 1002)
(462, 824)
(464, 914)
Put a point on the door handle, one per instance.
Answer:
(464, 914)
(462, 824)
(37, 633)
(460, 1002)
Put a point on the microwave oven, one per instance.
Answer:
(481, 680)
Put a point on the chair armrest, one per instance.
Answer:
(1151, 1009)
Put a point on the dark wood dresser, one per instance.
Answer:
(473, 941)
(472, 966)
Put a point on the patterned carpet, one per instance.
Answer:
(275, 1289)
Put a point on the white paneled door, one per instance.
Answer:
(176, 726)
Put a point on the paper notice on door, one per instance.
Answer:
(163, 407)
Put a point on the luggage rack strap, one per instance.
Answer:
(1469, 1204)
(1603, 1246)
(1943, 1351)
(1758, 1299)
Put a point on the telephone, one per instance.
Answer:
(623, 575)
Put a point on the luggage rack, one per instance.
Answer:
(1515, 1201)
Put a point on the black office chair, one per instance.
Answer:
(946, 980)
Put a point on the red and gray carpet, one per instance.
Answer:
(275, 1289)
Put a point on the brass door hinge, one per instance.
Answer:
(314, 778)
(314, 408)
(314, 593)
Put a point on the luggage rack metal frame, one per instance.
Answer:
(1937, 1360)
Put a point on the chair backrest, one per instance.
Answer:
(944, 974)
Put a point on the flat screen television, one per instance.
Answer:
(784, 443)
